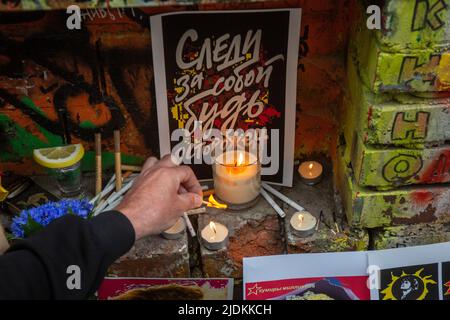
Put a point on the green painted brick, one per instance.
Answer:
(425, 70)
(370, 208)
(414, 24)
(397, 119)
(394, 167)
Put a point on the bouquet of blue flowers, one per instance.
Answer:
(34, 219)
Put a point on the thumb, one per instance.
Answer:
(188, 201)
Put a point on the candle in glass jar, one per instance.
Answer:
(310, 172)
(176, 231)
(303, 223)
(214, 236)
(237, 177)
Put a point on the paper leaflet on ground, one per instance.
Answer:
(315, 276)
(413, 273)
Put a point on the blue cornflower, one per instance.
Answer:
(33, 219)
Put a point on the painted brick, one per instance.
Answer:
(368, 208)
(154, 257)
(425, 70)
(411, 235)
(399, 119)
(393, 167)
(414, 24)
(254, 232)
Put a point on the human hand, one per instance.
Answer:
(159, 196)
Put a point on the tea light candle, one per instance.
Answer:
(310, 172)
(176, 231)
(237, 177)
(303, 223)
(214, 236)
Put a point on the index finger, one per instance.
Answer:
(188, 180)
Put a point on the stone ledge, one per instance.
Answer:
(154, 257)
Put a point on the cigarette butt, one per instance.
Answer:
(334, 232)
(98, 163)
(117, 160)
(127, 167)
(337, 227)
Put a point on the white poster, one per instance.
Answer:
(227, 70)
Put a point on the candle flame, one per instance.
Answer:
(212, 225)
(215, 204)
(300, 218)
(311, 165)
(240, 159)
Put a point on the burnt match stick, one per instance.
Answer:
(98, 163)
(117, 160)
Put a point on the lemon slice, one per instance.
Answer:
(59, 157)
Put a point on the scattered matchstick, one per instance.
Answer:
(272, 202)
(98, 163)
(337, 227)
(318, 220)
(117, 160)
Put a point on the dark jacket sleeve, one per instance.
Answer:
(40, 266)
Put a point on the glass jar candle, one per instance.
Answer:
(237, 178)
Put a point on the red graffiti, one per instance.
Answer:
(421, 197)
(439, 170)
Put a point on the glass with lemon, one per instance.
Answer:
(64, 165)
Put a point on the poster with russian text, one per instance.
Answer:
(227, 70)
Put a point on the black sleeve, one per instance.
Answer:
(37, 268)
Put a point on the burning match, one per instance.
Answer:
(213, 203)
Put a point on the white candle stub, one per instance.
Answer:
(310, 172)
(214, 236)
(176, 231)
(303, 223)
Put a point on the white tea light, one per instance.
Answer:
(303, 224)
(214, 236)
(310, 172)
(176, 231)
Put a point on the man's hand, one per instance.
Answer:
(159, 196)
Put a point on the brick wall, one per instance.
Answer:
(394, 160)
